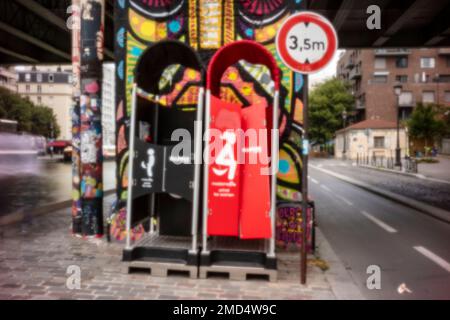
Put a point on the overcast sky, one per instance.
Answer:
(328, 72)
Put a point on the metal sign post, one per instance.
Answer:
(306, 43)
(305, 152)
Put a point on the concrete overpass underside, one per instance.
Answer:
(35, 31)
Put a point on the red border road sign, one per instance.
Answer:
(285, 53)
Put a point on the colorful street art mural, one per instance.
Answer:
(75, 10)
(289, 225)
(87, 123)
(206, 25)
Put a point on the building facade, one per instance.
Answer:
(108, 106)
(52, 87)
(370, 138)
(8, 79)
(423, 73)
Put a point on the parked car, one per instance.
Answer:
(67, 154)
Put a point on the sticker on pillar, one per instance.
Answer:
(88, 147)
(223, 191)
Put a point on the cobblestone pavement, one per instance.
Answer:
(33, 265)
(431, 192)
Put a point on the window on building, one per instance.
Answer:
(401, 78)
(39, 89)
(27, 88)
(378, 142)
(428, 97)
(27, 77)
(380, 79)
(401, 62)
(447, 96)
(427, 63)
(380, 63)
(444, 78)
(39, 100)
(39, 77)
(406, 99)
(51, 77)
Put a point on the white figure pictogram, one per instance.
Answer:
(226, 156)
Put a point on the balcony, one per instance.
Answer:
(392, 52)
(349, 64)
(355, 74)
(444, 52)
(360, 105)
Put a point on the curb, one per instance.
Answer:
(19, 216)
(438, 213)
(415, 175)
(409, 174)
(338, 277)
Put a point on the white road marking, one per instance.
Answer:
(380, 223)
(314, 181)
(344, 199)
(433, 257)
(403, 289)
(325, 188)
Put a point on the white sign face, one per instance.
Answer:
(306, 42)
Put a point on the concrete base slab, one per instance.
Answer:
(238, 273)
(160, 269)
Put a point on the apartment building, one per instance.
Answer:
(8, 78)
(423, 73)
(50, 86)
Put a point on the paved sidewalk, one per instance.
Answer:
(33, 265)
(438, 171)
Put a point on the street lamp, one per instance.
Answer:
(344, 118)
(398, 91)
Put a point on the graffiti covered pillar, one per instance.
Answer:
(91, 157)
(74, 26)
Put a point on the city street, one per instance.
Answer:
(41, 182)
(364, 229)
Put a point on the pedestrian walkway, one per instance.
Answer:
(33, 265)
(438, 171)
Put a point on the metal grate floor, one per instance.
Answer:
(236, 244)
(169, 242)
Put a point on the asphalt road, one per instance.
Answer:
(364, 229)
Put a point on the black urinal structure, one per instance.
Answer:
(164, 181)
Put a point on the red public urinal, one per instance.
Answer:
(240, 195)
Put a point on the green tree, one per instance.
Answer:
(326, 104)
(42, 120)
(31, 118)
(426, 123)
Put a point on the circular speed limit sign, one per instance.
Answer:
(306, 42)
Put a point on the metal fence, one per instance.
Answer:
(408, 164)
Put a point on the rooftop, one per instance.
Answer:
(371, 124)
